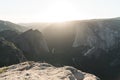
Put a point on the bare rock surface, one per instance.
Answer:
(43, 71)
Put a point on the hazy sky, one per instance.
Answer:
(57, 10)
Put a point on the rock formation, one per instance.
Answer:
(43, 71)
(32, 43)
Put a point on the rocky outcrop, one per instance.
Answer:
(43, 71)
(32, 43)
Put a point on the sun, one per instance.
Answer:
(59, 12)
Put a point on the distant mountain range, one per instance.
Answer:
(89, 45)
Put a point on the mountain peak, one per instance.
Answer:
(32, 43)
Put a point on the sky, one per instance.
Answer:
(24, 11)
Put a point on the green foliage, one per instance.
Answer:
(8, 53)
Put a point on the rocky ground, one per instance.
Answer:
(43, 71)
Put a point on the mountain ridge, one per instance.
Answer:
(6, 25)
(89, 45)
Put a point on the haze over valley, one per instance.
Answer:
(59, 40)
(89, 45)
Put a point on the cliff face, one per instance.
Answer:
(43, 71)
(89, 43)
(102, 34)
(32, 43)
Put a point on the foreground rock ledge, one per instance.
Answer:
(43, 71)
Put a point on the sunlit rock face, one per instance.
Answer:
(103, 39)
(32, 43)
(43, 71)
(84, 35)
(99, 33)
(102, 34)
(92, 45)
